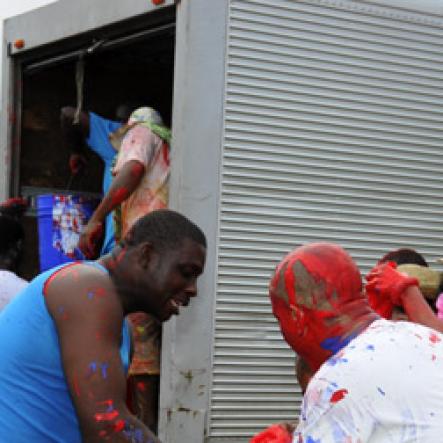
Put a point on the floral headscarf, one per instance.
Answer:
(144, 116)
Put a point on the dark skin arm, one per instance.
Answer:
(402, 290)
(123, 185)
(88, 316)
(418, 311)
(73, 136)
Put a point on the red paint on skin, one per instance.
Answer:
(141, 386)
(96, 292)
(338, 395)
(165, 152)
(434, 338)
(137, 169)
(119, 426)
(108, 403)
(106, 416)
(94, 240)
(119, 195)
(120, 256)
(76, 386)
(316, 295)
(62, 273)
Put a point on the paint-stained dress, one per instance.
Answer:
(384, 387)
(142, 145)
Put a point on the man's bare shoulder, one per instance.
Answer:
(79, 286)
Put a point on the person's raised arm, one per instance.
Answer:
(123, 185)
(89, 317)
(402, 290)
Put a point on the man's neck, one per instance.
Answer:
(349, 325)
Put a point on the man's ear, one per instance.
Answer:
(145, 254)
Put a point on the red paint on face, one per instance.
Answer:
(338, 395)
(316, 292)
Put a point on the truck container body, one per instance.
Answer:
(293, 121)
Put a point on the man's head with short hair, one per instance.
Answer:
(124, 110)
(164, 229)
(404, 256)
(156, 266)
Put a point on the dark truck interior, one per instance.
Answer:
(129, 63)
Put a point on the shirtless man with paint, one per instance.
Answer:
(64, 343)
(368, 383)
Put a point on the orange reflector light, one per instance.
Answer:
(19, 44)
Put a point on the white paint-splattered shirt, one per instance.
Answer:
(10, 286)
(386, 386)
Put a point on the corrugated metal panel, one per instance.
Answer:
(333, 131)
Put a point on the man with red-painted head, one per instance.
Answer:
(368, 383)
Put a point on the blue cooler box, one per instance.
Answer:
(61, 219)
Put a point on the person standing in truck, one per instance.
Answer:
(95, 130)
(140, 186)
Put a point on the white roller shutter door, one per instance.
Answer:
(333, 131)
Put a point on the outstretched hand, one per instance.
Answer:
(91, 239)
(386, 286)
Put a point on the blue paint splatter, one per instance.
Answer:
(90, 294)
(381, 391)
(370, 347)
(93, 366)
(136, 435)
(335, 344)
(104, 370)
(309, 439)
(335, 360)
